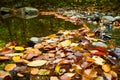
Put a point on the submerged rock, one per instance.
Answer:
(27, 12)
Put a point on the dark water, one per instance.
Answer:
(21, 30)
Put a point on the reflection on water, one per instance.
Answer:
(22, 30)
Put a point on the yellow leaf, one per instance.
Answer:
(77, 48)
(95, 40)
(16, 58)
(106, 67)
(19, 48)
(52, 36)
(65, 43)
(57, 69)
(10, 67)
(11, 47)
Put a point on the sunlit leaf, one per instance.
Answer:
(37, 63)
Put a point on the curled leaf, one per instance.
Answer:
(57, 69)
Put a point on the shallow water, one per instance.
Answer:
(21, 30)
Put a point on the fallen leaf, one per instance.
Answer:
(10, 67)
(37, 63)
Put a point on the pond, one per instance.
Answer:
(21, 30)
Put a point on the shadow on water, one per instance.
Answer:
(21, 30)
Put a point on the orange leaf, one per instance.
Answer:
(99, 53)
(102, 49)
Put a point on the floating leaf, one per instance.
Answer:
(37, 63)
(44, 72)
